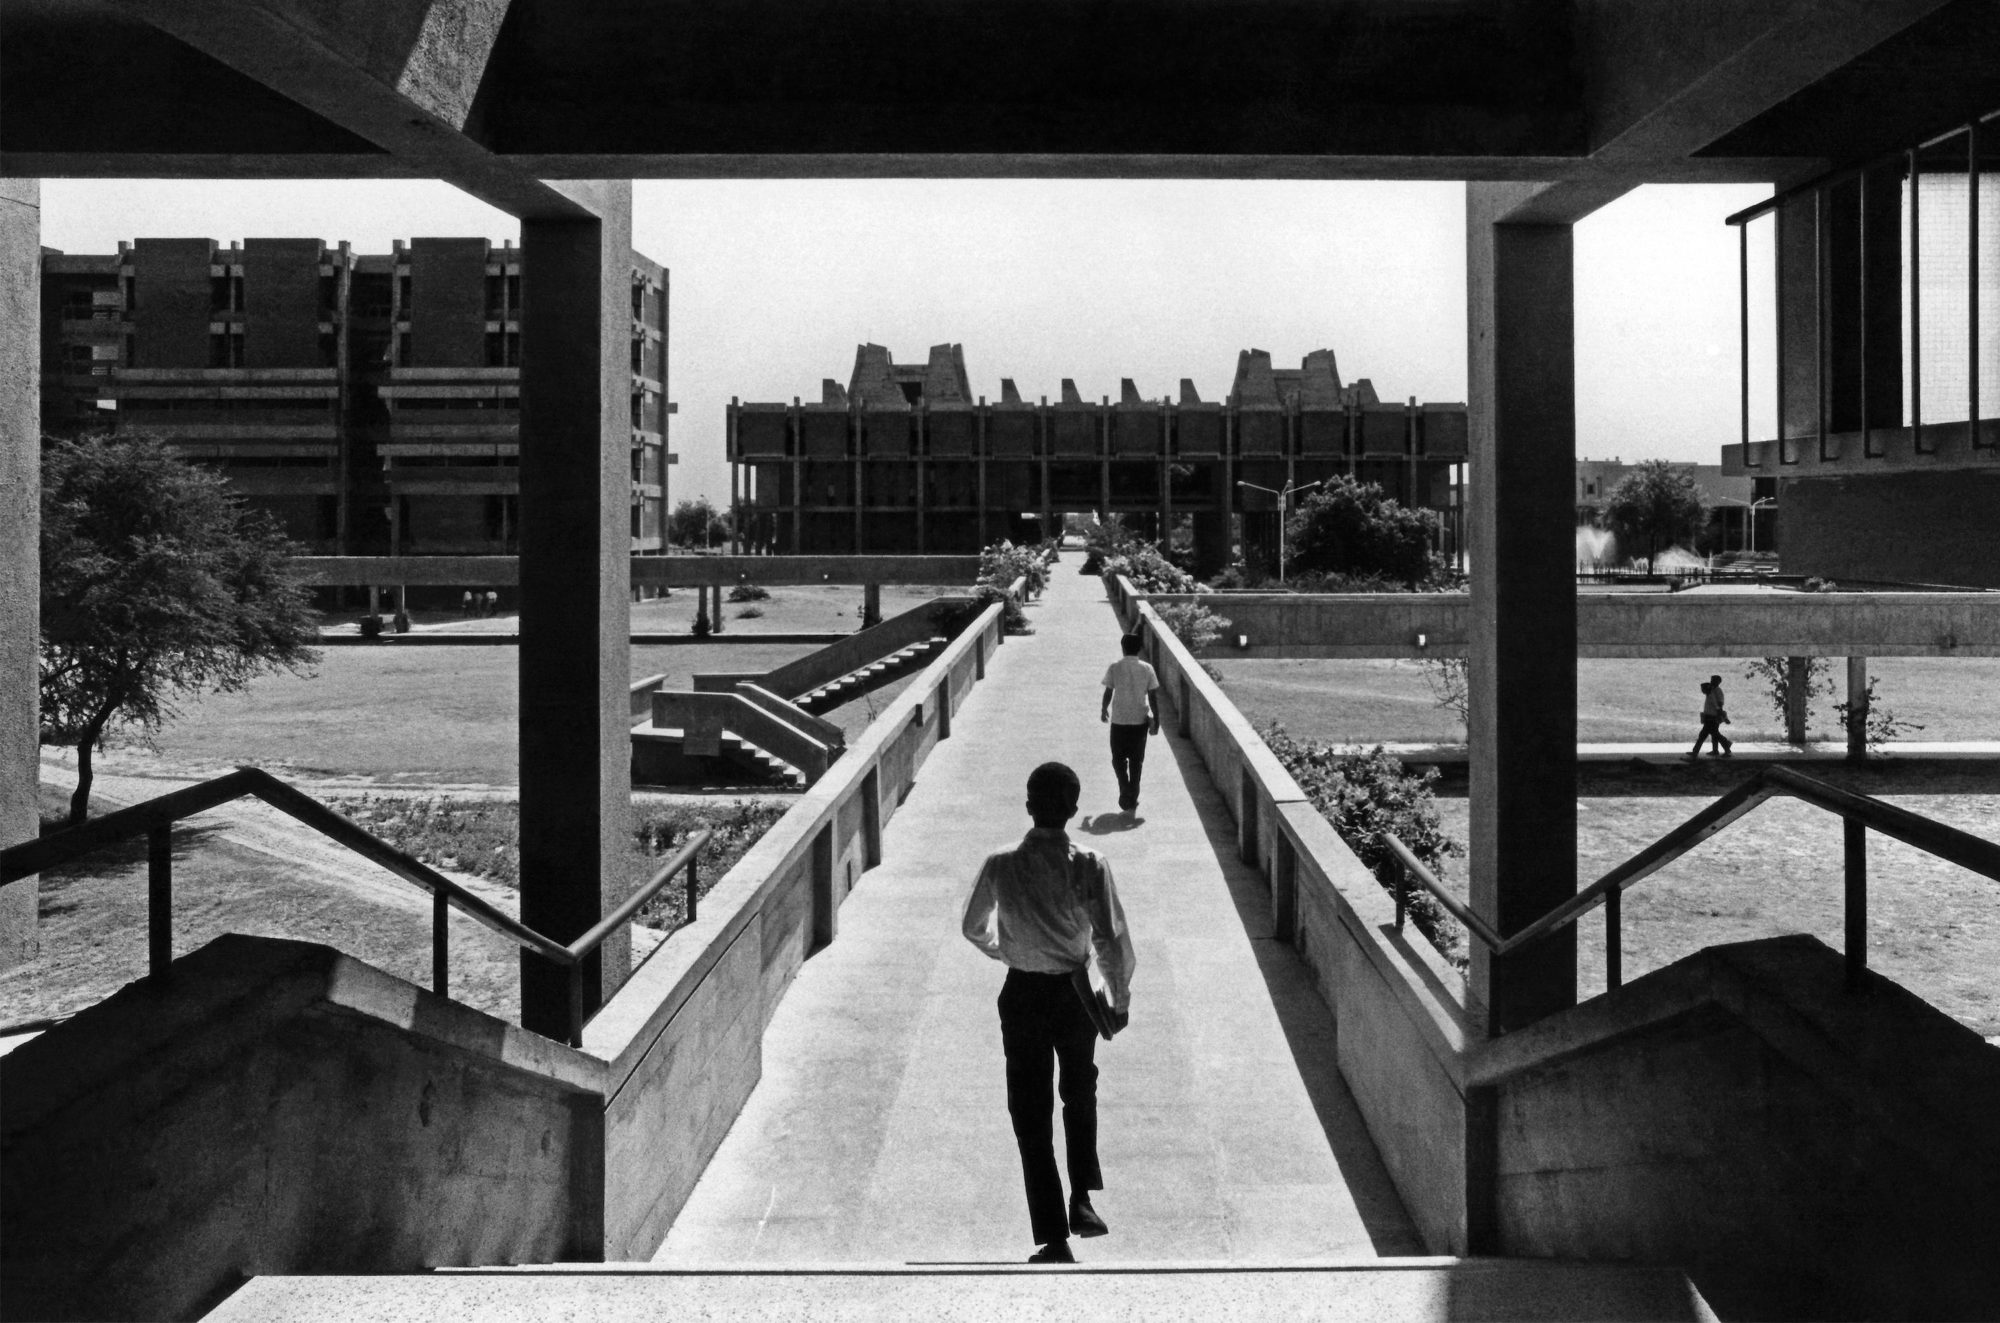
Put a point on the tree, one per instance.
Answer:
(1656, 507)
(1351, 528)
(156, 584)
(697, 523)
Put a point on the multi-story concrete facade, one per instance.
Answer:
(369, 402)
(905, 458)
(1883, 311)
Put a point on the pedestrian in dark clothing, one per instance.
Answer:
(1132, 706)
(1047, 909)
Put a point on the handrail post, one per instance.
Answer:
(1854, 835)
(440, 945)
(1402, 890)
(160, 898)
(1614, 941)
(576, 1003)
(693, 887)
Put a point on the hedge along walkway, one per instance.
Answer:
(879, 1132)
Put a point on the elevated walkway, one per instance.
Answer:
(879, 1131)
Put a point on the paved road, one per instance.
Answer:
(879, 1133)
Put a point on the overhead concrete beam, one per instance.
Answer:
(402, 74)
(655, 571)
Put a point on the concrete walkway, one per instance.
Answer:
(879, 1132)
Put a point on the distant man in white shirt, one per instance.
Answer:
(1042, 909)
(1132, 706)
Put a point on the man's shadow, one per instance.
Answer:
(1104, 824)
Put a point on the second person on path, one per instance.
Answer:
(1132, 706)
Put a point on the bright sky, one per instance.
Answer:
(776, 282)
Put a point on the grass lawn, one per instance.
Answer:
(1639, 701)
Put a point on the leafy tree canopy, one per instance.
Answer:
(156, 584)
(1351, 528)
(697, 523)
(1654, 508)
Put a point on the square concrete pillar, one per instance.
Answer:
(20, 542)
(1522, 382)
(576, 772)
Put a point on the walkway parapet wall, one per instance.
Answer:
(1399, 1007)
(1696, 624)
(682, 1039)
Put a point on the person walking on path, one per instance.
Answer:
(1048, 909)
(1713, 717)
(1132, 706)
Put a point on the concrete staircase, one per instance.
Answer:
(765, 764)
(1369, 1289)
(873, 676)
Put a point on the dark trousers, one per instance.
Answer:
(1711, 731)
(1041, 1018)
(1128, 759)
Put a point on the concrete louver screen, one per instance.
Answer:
(281, 304)
(447, 303)
(173, 303)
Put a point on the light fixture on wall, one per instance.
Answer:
(1421, 642)
(1242, 640)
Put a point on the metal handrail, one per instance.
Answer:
(1860, 814)
(155, 818)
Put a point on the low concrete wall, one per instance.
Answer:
(276, 1106)
(1802, 1151)
(1396, 1004)
(1927, 527)
(681, 1040)
(1775, 624)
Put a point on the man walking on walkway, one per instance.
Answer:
(1045, 909)
(1132, 706)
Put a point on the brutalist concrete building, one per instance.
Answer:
(907, 459)
(369, 402)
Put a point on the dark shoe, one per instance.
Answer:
(1083, 1219)
(1056, 1251)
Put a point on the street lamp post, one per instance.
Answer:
(1284, 499)
(1752, 506)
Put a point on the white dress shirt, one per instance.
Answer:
(1044, 904)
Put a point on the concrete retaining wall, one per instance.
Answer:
(1917, 526)
(681, 1041)
(1774, 624)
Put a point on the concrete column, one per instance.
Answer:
(1522, 381)
(871, 604)
(1857, 709)
(576, 483)
(20, 548)
(715, 607)
(1798, 693)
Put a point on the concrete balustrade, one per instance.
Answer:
(681, 1040)
(1399, 1006)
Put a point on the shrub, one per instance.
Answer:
(951, 618)
(1003, 562)
(701, 628)
(749, 592)
(751, 613)
(1879, 724)
(1150, 572)
(1366, 796)
(1351, 528)
(1193, 624)
(1449, 683)
(1775, 675)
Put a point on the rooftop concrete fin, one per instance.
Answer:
(1363, 392)
(1319, 379)
(1189, 395)
(873, 385)
(402, 74)
(944, 376)
(1069, 395)
(1008, 392)
(832, 392)
(1254, 382)
(1128, 394)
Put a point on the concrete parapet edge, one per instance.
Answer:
(782, 896)
(1398, 1006)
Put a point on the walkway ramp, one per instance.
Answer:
(879, 1131)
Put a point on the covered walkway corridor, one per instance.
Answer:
(879, 1131)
